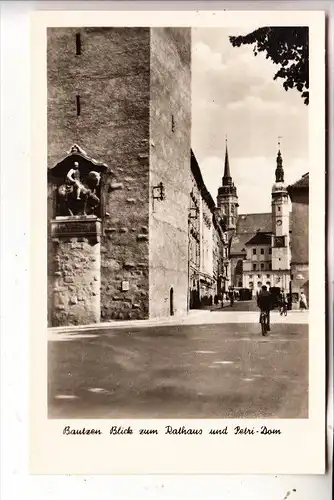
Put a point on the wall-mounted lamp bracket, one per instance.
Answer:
(158, 192)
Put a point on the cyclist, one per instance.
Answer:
(264, 303)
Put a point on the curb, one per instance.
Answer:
(160, 322)
(178, 320)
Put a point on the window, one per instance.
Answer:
(251, 284)
(250, 276)
(278, 209)
(268, 275)
(268, 283)
(262, 251)
(269, 251)
(259, 284)
(262, 266)
(78, 44)
(254, 251)
(240, 284)
(173, 123)
(78, 105)
(259, 275)
(254, 267)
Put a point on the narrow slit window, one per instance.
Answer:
(173, 124)
(78, 44)
(78, 105)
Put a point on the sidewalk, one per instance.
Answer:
(194, 317)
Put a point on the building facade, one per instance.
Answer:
(299, 194)
(259, 244)
(207, 243)
(119, 117)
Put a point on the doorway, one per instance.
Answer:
(171, 301)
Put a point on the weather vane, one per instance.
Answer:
(279, 140)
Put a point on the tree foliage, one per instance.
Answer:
(286, 46)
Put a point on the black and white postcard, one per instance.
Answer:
(178, 309)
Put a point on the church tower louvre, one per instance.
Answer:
(227, 199)
(280, 220)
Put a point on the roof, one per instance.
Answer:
(260, 239)
(238, 243)
(302, 183)
(251, 223)
(196, 171)
(254, 229)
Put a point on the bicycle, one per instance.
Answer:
(264, 323)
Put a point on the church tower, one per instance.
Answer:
(227, 199)
(280, 226)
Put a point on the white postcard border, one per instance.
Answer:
(300, 449)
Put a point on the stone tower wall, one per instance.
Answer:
(112, 78)
(170, 126)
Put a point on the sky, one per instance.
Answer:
(234, 95)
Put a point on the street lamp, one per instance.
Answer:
(158, 192)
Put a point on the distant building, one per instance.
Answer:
(259, 244)
(299, 194)
(207, 242)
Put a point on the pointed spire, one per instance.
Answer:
(279, 172)
(227, 173)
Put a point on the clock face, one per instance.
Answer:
(279, 222)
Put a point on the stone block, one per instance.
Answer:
(129, 265)
(111, 264)
(123, 230)
(142, 265)
(142, 237)
(69, 279)
(114, 186)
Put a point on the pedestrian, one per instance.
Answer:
(283, 304)
(303, 302)
(231, 297)
(264, 303)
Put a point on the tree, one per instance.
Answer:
(286, 46)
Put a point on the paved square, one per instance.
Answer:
(191, 371)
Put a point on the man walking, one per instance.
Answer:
(283, 304)
(231, 297)
(264, 303)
